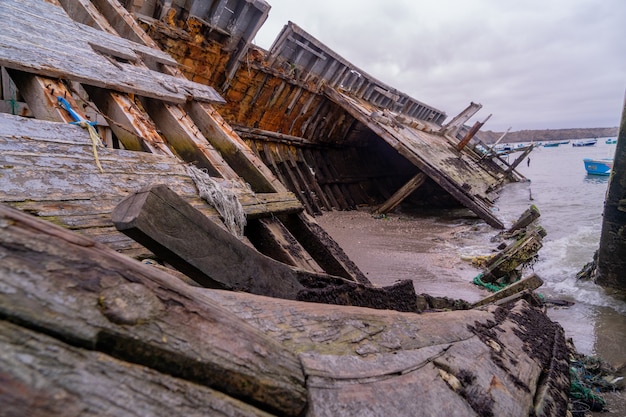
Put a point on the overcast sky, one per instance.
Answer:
(533, 64)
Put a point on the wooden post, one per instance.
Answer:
(470, 134)
(519, 159)
(399, 196)
(611, 271)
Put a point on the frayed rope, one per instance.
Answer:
(222, 199)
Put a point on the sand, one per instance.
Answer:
(425, 249)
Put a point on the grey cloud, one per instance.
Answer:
(535, 64)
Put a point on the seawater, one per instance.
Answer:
(571, 204)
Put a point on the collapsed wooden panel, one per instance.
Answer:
(40, 38)
(433, 154)
(49, 169)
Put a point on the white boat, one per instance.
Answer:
(585, 142)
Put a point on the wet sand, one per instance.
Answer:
(429, 250)
(399, 247)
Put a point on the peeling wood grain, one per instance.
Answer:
(42, 376)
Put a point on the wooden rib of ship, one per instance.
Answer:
(290, 132)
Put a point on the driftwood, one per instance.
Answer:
(526, 219)
(504, 266)
(529, 283)
(356, 361)
(183, 237)
(87, 295)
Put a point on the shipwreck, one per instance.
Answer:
(160, 177)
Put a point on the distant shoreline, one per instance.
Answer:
(548, 135)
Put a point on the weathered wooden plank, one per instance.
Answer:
(84, 11)
(489, 361)
(41, 94)
(43, 376)
(280, 244)
(494, 361)
(531, 283)
(526, 218)
(184, 238)
(297, 179)
(132, 128)
(312, 180)
(415, 390)
(404, 191)
(326, 189)
(193, 244)
(326, 251)
(86, 294)
(184, 137)
(47, 42)
(270, 161)
(234, 150)
(123, 22)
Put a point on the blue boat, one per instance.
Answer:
(611, 141)
(585, 142)
(598, 166)
(550, 144)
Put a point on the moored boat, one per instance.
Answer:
(598, 166)
(551, 144)
(611, 141)
(585, 142)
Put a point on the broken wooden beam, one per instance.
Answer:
(531, 283)
(191, 242)
(515, 255)
(399, 196)
(526, 218)
(470, 134)
(96, 307)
